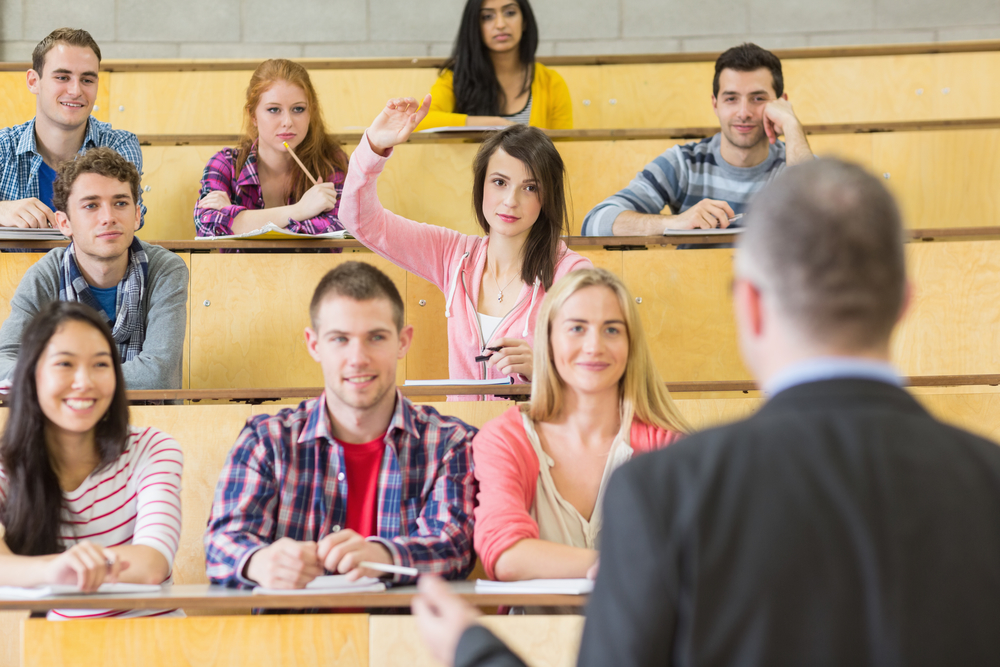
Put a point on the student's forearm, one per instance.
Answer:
(486, 120)
(631, 223)
(797, 148)
(541, 559)
(146, 565)
(23, 570)
(247, 221)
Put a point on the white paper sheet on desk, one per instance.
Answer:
(536, 587)
(703, 232)
(462, 128)
(18, 593)
(459, 383)
(332, 583)
(271, 231)
(30, 234)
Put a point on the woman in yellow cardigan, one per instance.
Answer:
(492, 77)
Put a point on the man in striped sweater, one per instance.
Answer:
(707, 183)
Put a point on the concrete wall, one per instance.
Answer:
(370, 28)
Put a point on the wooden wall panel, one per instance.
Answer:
(542, 641)
(10, 637)
(12, 268)
(686, 312)
(428, 355)
(173, 176)
(953, 324)
(942, 179)
(251, 333)
(205, 433)
(307, 640)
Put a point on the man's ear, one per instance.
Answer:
(32, 78)
(749, 306)
(62, 222)
(405, 340)
(138, 217)
(312, 340)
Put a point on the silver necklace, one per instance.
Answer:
(500, 289)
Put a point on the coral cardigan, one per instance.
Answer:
(551, 108)
(507, 469)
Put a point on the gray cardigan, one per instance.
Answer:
(164, 307)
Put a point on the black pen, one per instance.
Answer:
(484, 357)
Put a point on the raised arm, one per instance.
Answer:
(780, 119)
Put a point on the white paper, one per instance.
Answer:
(463, 128)
(703, 232)
(30, 234)
(18, 593)
(536, 587)
(273, 231)
(333, 583)
(459, 383)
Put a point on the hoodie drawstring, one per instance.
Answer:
(531, 307)
(454, 284)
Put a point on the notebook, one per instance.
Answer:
(536, 587)
(18, 593)
(271, 231)
(333, 583)
(458, 383)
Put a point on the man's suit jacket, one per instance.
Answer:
(840, 525)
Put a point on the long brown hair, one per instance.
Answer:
(319, 151)
(641, 390)
(538, 154)
(33, 513)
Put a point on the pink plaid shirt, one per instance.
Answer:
(285, 478)
(245, 194)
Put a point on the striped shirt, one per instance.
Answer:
(522, 116)
(683, 176)
(285, 477)
(245, 193)
(135, 500)
(20, 159)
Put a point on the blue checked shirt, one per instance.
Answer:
(285, 474)
(20, 159)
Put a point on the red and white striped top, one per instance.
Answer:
(135, 500)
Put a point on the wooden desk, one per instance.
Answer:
(208, 598)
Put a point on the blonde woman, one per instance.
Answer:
(596, 401)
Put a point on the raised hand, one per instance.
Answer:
(778, 118)
(396, 122)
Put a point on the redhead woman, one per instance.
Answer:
(257, 182)
(85, 498)
(597, 400)
(493, 284)
(492, 77)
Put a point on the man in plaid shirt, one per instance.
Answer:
(359, 474)
(63, 79)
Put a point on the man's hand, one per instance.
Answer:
(779, 119)
(341, 552)
(706, 214)
(442, 617)
(285, 564)
(29, 212)
(215, 200)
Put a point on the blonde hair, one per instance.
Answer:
(641, 390)
(319, 151)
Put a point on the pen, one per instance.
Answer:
(390, 569)
(484, 357)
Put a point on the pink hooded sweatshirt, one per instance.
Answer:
(453, 261)
(507, 470)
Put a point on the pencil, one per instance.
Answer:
(391, 569)
(299, 162)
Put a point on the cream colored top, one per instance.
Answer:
(558, 520)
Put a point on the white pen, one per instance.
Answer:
(736, 217)
(390, 569)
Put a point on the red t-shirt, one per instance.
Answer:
(363, 462)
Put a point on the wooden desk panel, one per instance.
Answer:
(306, 640)
(12, 268)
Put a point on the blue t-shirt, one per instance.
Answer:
(108, 298)
(46, 177)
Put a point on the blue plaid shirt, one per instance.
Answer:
(285, 474)
(20, 159)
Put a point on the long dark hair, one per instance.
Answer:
(535, 150)
(477, 91)
(33, 512)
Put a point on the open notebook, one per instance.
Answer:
(30, 234)
(18, 593)
(703, 232)
(458, 383)
(271, 231)
(536, 587)
(332, 583)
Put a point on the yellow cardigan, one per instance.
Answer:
(551, 107)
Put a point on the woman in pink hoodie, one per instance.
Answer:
(493, 285)
(596, 401)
